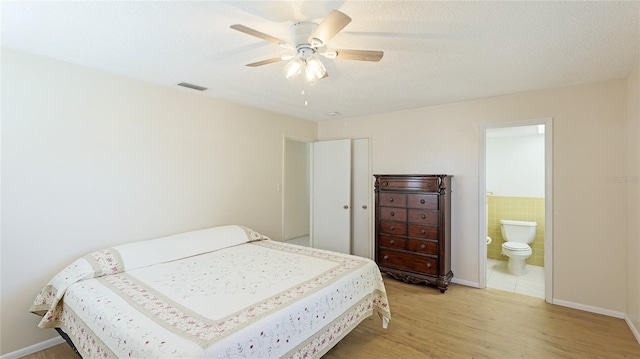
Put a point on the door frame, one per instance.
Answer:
(548, 200)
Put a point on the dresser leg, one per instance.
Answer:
(443, 282)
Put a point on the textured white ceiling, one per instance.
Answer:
(435, 52)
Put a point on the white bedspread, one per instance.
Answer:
(224, 292)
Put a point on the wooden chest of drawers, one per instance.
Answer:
(413, 228)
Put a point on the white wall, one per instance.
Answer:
(588, 131)
(91, 160)
(632, 184)
(515, 165)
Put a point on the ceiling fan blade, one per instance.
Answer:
(258, 34)
(264, 62)
(359, 55)
(330, 25)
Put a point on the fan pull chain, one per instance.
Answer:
(305, 97)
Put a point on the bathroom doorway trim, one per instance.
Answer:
(548, 200)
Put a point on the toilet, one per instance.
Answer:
(517, 235)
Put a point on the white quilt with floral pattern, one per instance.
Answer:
(223, 292)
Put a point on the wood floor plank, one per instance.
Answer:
(474, 323)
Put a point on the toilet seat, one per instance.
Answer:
(515, 246)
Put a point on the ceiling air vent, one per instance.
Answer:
(192, 86)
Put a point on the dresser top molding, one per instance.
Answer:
(418, 179)
(409, 175)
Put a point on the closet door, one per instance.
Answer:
(362, 190)
(332, 196)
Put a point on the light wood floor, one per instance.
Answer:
(472, 323)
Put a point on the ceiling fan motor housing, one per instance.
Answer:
(300, 33)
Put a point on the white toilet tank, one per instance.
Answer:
(518, 231)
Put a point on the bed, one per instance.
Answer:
(223, 292)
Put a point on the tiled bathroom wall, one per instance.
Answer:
(518, 209)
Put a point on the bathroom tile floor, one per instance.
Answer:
(531, 283)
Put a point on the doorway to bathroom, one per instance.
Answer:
(516, 186)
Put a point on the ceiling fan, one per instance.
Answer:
(309, 40)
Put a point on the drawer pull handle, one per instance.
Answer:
(422, 201)
(428, 265)
(422, 231)
(391, 199)
(385, 183)
(393, 214)
(387, 257)
(392, 228)
(423, 216)
(422, 246)
(392, 241)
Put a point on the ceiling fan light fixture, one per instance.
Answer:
(315, 69)
(293, 68)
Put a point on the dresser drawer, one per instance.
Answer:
(429, 184)
(425, 247)
(397, 228)
(424, 201)
(393, 214)
(425, 232)
(393, 199)
(392, 242)
(423, 216)
(407, 261)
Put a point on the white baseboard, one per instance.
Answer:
(633, 328)
(465, 282)
(33, 348)
(588, 308)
